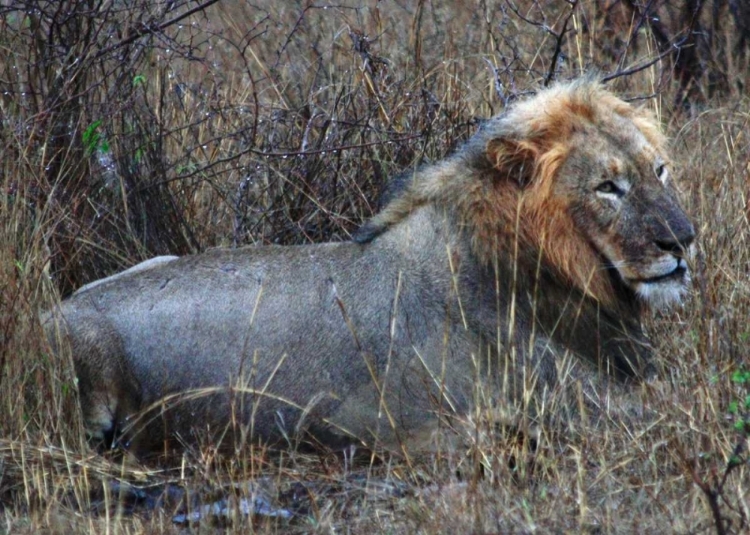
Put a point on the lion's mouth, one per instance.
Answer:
(678, 273)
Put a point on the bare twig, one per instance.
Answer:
(642, 66)
(499, 89)
(218, 161)
(558, 44)
(147, 30)
(714, 493)
(559, 36)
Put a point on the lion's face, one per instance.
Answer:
(591, 177)
(619, 195)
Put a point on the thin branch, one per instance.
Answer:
(627, 72)
(276, 155)
(712, 495)
(558, 44)
(558, 36)
(499, 88)
(146, 30)
(542, 25)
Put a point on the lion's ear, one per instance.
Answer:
(514, 160)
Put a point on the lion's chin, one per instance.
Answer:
(664, 293)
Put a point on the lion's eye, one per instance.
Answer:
(609, 187)
(661, 172)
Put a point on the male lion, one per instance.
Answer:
(542, 237)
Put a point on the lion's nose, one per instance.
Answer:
(677, 242)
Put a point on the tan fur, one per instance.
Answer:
(478, 279)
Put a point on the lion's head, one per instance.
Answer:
(578, 178)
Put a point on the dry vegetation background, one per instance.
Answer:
(134, 128)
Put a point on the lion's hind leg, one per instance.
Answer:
(107, 392)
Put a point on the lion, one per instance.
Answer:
(546, 236)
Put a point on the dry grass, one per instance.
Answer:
(280, 123)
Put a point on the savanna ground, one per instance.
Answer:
(136, 128)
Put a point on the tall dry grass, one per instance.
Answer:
(124, 137)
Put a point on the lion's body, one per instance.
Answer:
(477, 273)
(328, 309)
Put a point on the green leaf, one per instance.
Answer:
(733, 406)
(740, 376)
(138, 80)
(739, 425)
(91, 137)
(90, 133)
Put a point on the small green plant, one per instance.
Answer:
(93, 140)
(713, 488)
(740, 408)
